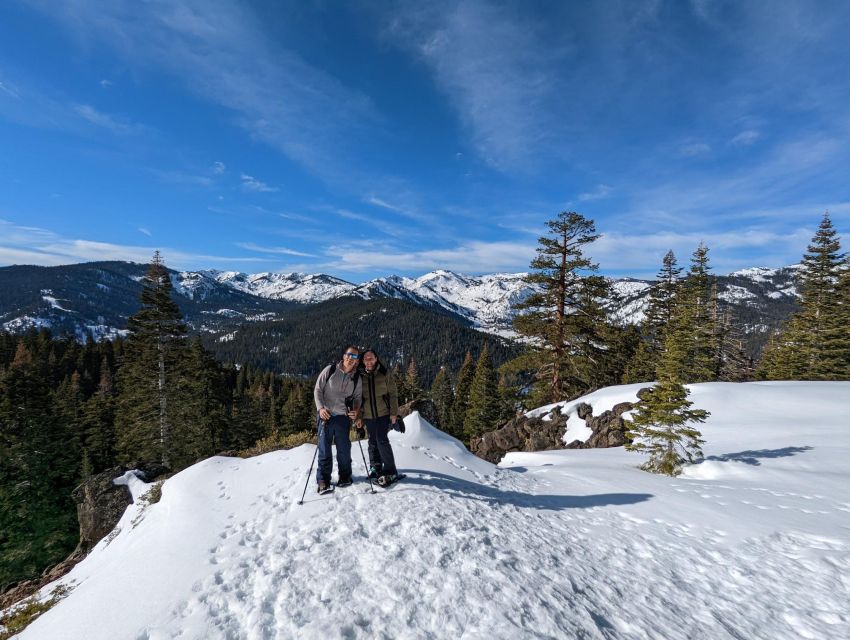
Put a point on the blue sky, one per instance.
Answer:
(368, 138)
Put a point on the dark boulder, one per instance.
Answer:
(522, 434)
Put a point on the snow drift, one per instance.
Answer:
(751, 543)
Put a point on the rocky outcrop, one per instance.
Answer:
(100, 505)
(426, 408)
(609, 428)
(522, 434)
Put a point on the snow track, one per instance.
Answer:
(753, 543)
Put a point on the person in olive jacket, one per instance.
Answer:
(380, 413)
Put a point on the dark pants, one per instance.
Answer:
(334, 430)
(380, 451)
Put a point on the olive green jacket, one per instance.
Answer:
(380, 397)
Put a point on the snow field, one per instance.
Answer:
(752, 543)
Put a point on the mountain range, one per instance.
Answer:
(97, 298)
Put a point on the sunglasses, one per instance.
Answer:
(353, 356)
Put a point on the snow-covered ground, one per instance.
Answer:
(752, 543)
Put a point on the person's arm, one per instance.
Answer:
(356, 398)
(319, 394)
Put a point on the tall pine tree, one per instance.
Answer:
(461, 401)
(563, 319)
(148, 380)
(484, 409)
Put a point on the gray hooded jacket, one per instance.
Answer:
(332, 389)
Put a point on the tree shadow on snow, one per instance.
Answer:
(752, 457)
(459, 488)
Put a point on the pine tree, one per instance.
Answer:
(482, 414)
(443, 398)
(411, 382)
(148, 377)
(812, 344)
(563, 319)
(98, 424)
(461, 401)
(659, 313)
(401, 384)
(661, 425)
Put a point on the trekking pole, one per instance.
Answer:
(368, 477)
(310, 472)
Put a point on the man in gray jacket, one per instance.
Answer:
(338, 396)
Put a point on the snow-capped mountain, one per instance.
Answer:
(749, 543)
(98, 297)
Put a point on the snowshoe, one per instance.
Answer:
(390, 479)
(373, 473)
(324, 488)
(344, 482)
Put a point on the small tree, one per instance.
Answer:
(661, 425)
(461, 401)
(443, 398)
(482, 414)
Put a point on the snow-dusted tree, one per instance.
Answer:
(662, 423)
(563, 320)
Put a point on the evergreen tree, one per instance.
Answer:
(443, 398)
(661, 425)
(659, 313)
(411, 382)
(482, 414)
(563, 319)
(98, 425)
(812, 345)
(461, 401)
(148, 378)
(401, 384)
(38, 525)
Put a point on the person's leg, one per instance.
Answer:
(374, 453)
(384, 447)
(325, 466)
(343, 446)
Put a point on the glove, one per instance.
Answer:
(398, 425)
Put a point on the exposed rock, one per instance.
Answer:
(522, 434)
(100, 505)
(641, 394)
(583, 410)
(426, 408)
(621, 407)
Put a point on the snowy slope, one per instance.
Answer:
(752, 543)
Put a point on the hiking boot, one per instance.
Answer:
(373, 472)
(387, 480)
(324, 487)
(344, 482)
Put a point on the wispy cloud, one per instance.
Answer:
(249, 183)
(33, 245)
(145, 231)
(489, 62)
(105, 83)
(179, 177)
(693, 149)
(250, 246)
(218, 168)
(220, 49)
(112, 123)
(745, 138)
(599, 193)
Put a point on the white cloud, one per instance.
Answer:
(219, 168)
(694, 149)
(250, 246)
(178, 177)
(105, 83)
(745, 138)
(33, 245)
(249, 183)
(119, 126)
(145, 231)
(599, 193)
(220, 50)
(489, 61)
